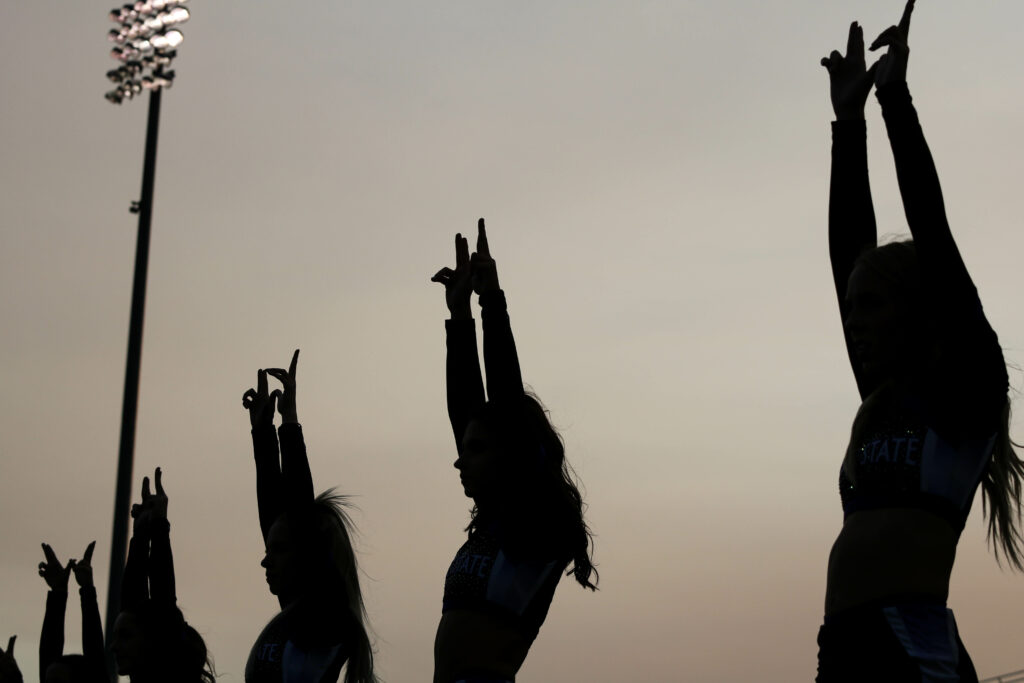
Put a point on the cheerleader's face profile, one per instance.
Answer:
(880, 323)
(282, 561)
(478, 461)
(128, 645)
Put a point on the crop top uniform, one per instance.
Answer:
(486, 576)
(490, 572)
(925, 446)
(289, 649)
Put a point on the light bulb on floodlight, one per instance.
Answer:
(170, 39)
(178, 15)
(158, 59)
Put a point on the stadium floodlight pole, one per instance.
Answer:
(145, 42)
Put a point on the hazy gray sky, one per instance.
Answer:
(654, 176)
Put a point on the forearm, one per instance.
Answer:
(920, 189)
(501, 361)
(161, 564)
(92, 630)
(851, 215)
(268, 476)
(134, 588)
(298, 480)
(464, 383)
(51, 640)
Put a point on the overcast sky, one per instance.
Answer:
(654, 176)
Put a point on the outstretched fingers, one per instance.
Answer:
(855, 44)
(891, 36)
(146, 495)
(482, 247)
(87, 557)
(51, 557)
(833, 60)
(908, 9)
(248, 397)
(462, 250)
(159, 485)
(10, 646)
(443, 275)
(292, 366)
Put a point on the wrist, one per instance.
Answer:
(461, 312)
(290, 418)
(850, 115)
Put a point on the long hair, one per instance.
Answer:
(897, 263)
(1001, 496)
(324, 531)
(199, 662)
(534, 456)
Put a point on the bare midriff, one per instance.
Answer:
(889, 553)
(476, 642)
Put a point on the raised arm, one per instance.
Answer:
(297, 481)
(941, 264)
(51, 640)
(92, 628)
(851, 215)
(504, 378)
(161, 561)
(974, 374)
(269, 484)
(135, 580)
(465, 385)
